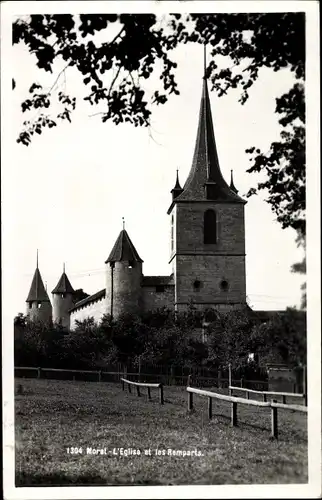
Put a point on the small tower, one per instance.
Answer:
(63, 300)
(123, 277)
(38, 303)
(177, 188)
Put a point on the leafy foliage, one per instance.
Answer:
(282, 339)
(114, 72)
(300, 267)
(162, 338)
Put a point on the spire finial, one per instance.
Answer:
(123, 221)
(37, 259)
(204, 60)
(63, 267)
(232, 185)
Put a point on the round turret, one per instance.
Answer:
(38, 306)
(63, 301)
(123, 278)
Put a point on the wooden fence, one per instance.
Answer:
(142, 384)
(115, 376)
(264, 394)
(235, 400)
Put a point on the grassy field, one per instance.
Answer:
(52, 416)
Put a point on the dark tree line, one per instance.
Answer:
(165, 339)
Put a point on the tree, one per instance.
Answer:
(281, 339)
(300, 267)
(113, 73)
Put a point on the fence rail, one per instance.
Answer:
(274, 405)
(115, 375)
(143, 384)
(264, 394)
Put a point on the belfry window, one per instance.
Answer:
(210, 227)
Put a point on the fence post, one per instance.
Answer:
(274, 425)
(304, 385)
(210, 408)
(161, 394)
(99, 375)
(234, 414)
(284, 400)
(149, 393)
(39, 372)
(247, 395)
(129, 386)
(241, 382)
(123, 385)
(138, 390)
(190, 401)
(189, 381)
(229, 377)
(264, 398)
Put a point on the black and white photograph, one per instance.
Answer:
(161, 249)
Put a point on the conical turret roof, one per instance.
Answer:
(63, 285)
(123, 250)
(37, 290)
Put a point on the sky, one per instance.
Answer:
(68, 191)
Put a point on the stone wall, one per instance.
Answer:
(210, 271)
(95, 309)
(230, 228)
(39, 311)
(153, 300)
(211, 265)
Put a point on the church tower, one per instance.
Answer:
(207, 229)
(123, 278)
(38, 303)
(63, 300)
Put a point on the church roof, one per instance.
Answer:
(37, 290)
(123, 250)
(63, 285)
(205, 167)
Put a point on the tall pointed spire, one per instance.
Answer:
(205, 180)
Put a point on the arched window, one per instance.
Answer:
(210, 227)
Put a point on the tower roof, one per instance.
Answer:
(37, 290)
(63, 285)
(177, 188)
(123, 250)
(205, 169)
(232, 185)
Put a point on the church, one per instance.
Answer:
(207, 253)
